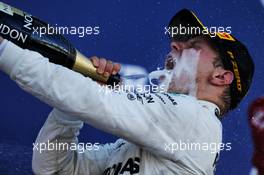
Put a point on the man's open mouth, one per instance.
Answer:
(171, 60)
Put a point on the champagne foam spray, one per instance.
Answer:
(182, 78)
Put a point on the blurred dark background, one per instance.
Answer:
(131, 32)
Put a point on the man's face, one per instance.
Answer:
(192, 64)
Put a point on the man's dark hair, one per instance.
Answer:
(225, 96)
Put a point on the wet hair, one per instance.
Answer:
(225, 96)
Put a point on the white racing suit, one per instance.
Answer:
(151, 126)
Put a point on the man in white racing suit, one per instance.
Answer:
(153, 127)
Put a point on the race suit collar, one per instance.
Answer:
(211, 106)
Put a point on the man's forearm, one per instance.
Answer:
(51, 83)
(66, 90)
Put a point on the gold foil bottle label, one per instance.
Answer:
(84, 66)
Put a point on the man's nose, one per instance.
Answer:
(178, 46)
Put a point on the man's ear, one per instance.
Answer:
(222, 77)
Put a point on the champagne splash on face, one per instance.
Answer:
(180, 76)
